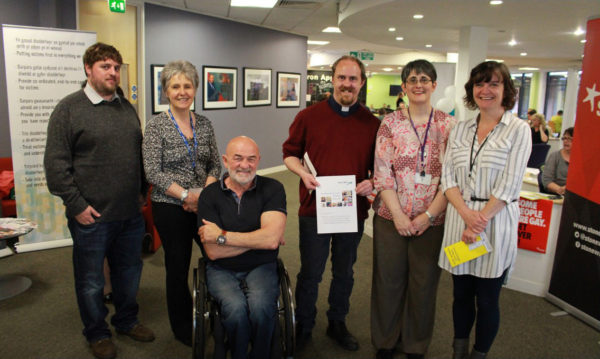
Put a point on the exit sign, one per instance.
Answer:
(116, 5)
(363, 55)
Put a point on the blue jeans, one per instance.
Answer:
(314, 251)
(248, 305)
(121, 243)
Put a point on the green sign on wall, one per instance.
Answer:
(116, 5)
(363, 55)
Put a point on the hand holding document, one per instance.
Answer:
(336, 204)
(459, 253)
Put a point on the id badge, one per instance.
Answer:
(466, 195)
(425, 179)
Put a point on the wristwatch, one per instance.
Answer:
(221, 239)
(431, 217)
(184, 195)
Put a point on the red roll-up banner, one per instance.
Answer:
(575, 280)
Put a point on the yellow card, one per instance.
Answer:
(459, 253)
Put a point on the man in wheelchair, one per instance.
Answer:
(242, 221)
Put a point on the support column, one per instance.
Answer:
(473, 45)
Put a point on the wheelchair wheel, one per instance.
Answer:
(200, 319)
(287, 321)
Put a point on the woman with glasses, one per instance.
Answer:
(481, 178)
(554, 174)
(408, 224)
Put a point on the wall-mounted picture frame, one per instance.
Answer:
(257, 87)
(219, 87)
(160, 102)
(288, 89)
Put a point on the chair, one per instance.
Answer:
(9, 206)
(539, 151)
(207, 317)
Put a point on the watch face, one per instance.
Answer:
(221, 239)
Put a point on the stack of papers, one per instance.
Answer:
(459, 253)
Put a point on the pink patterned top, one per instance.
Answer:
(398, 158)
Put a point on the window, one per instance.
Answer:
(556, 86)
(522, 84)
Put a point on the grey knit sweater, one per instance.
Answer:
(93, 157)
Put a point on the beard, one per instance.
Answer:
(240, 179)
(346, 97)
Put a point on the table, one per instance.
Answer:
(13, 284)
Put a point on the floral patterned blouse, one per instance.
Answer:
(398, 158)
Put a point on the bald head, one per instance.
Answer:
(242, 142)
(241, 159)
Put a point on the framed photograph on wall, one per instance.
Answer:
(160, 103)
(257, 87)
(159, 99)
(288, 89)
(219, 87)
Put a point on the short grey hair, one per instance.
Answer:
(174, 68)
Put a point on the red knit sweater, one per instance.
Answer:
(336, 144)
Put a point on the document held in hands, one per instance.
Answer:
(336, 204)
(459, 253)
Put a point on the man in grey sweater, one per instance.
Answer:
(93, 162)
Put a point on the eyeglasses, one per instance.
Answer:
(422, 80)
(566, 138)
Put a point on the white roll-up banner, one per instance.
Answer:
(42, 66)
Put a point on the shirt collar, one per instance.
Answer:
(94, 97)
(343, 111)
(505, 119)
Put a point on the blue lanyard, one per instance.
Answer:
(192, 155)
(422, 145)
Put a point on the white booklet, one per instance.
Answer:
(336, 204)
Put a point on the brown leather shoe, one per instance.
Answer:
(139, 333)
(104, 349)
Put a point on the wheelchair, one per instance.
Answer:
(207, 320)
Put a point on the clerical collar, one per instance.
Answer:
(343, 111)
(95, 97)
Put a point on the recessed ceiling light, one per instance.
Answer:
(418, 16)
(366, 64)
(399, 67)
(387, 69)
(583, 41)
(512, 42)
(254, 3)
(496, 2)
(523, 54)
(528, 68)
(332, 29)
(578, 32)
(392, 29)
(428, 45)
(315, 42)
(399, 38)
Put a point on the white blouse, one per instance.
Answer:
(497, 171)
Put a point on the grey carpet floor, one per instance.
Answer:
(44, 321)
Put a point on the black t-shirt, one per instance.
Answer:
(536, 137)
(218, 204)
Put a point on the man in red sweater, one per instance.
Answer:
(339, 136)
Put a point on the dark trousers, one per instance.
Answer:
(477, 299)
(177, 230)
(121, 243)
(314, 251)
(404, 288)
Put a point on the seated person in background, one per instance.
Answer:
(539, 132)
(381, 114)
(242, 220)
(530, 113)
(554, 174)
(555, 123)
